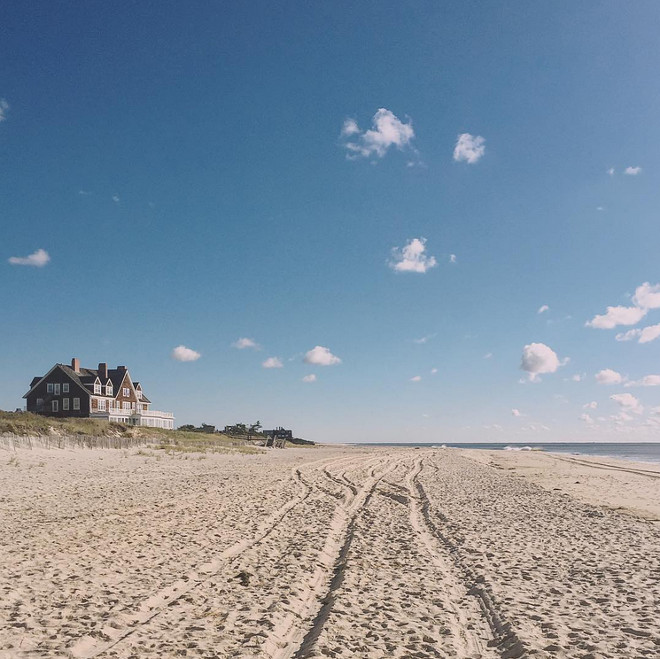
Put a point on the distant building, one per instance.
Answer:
(101, 393)
(279, 433)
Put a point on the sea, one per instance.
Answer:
(636, 452)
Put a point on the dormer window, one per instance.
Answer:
(108, 389)
(97, 387)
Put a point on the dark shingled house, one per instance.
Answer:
(101, 393)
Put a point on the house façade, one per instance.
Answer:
(101, 393)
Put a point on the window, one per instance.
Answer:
(102, 404)
(65, 403)
(40, 403)
(49, 388)
(97, 387)
(126, 405)
(127, 391)
(55, 405)
(57, 388)
(65, 388)
(139, 393)
(76, 403)
(108, 390)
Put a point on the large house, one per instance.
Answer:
(101, 393)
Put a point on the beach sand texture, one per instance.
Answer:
(328, 552)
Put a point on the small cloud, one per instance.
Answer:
(434, 371)
(84, 193)
(183, 354)
(628, 402)
(587, 419)
(387, 131)
(515, 412)
(115, 198)
(617, 316)
(424, 339)
(646, 381)
(600, 208)
(488, 355)
(321, 356)
(610, 171)
(243, 343)
(543, 308)
(416, 378)
(644, 335)
(4, 107)
(309, 378)
(37, 259)
(538, 358)
(577, 377)
(469, 148)
(632, 171)
(412, 257)
(590, 406)
(608, 376)
(272, 362)
(452, 258)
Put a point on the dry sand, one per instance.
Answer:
(329, 552)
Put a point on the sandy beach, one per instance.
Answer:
(327, 552)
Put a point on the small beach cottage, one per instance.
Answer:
(101, 393)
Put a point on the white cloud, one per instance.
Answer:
(411, 257)
(416, 378)
(590, 406)
(515, 412)
(576, 378)
(646, 381)
(37, 259)
(115, 198)
(543, 308)
(628, 402)
(617, 316)
(243, 342)
(538, 358)
(84, 193)
(633, 171)
(272, 362)
(321, 356)
(387, 130)
(423, 339)
(610, 171)
(644, 335)
(452, 258)
(4, 106)
(587, 419)
(488, 355)
(647, 296)
(608, 376)
(469, 148)
(183, 354)
(309, 378)
(434, 371)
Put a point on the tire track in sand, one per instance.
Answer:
(504, 639)
(288, 637)
(122, 626)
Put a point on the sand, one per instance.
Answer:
(327, 552)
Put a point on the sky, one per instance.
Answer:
(373, 221)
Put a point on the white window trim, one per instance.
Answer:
(65, 404)
(57, 388)
(49, 388)
(54, 405)
(76, 403)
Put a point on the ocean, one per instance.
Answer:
(637, 452)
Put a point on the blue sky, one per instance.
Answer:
(198, 174)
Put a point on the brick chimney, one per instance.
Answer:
(75, 364)
(103, 372)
